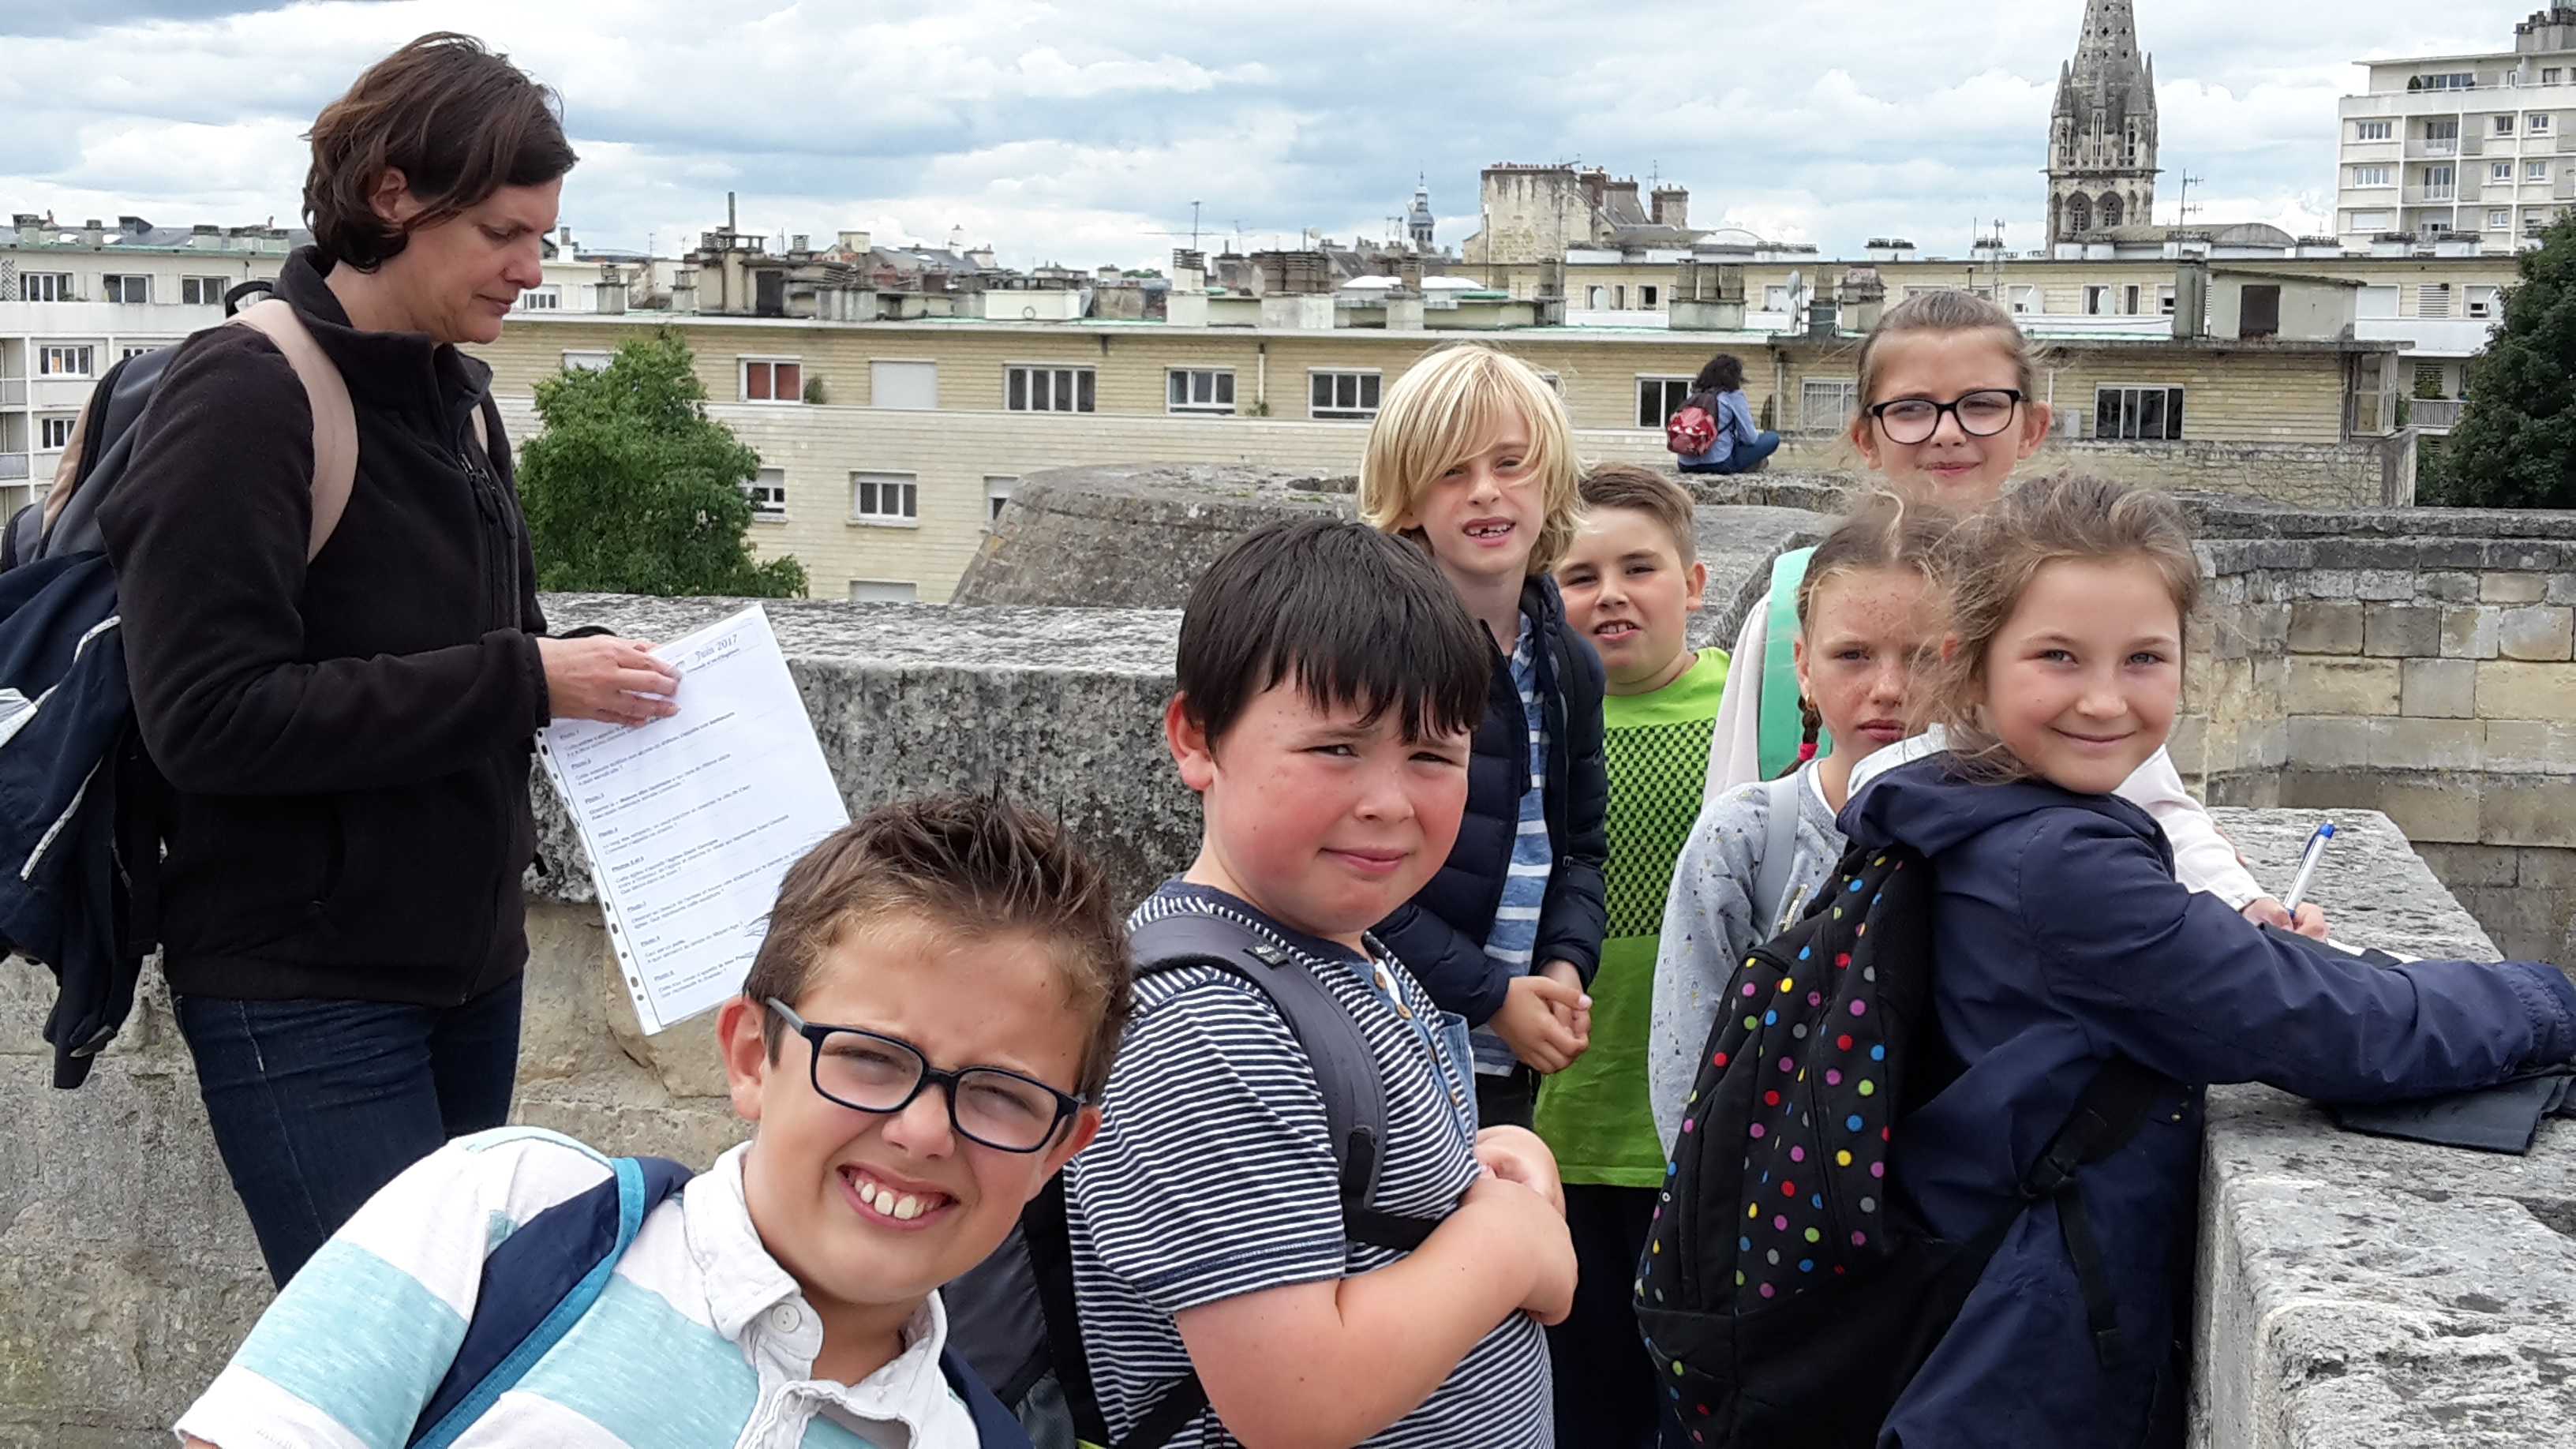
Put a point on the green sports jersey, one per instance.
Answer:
(1594, 1114)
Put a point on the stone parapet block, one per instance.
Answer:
(2514, 690)
(2321, 684)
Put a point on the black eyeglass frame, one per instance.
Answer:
(816, 1033)
(1878, 413)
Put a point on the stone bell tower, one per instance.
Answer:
(2102, 131)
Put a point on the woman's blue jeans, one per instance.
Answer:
(1745, 455)
(316, 1104)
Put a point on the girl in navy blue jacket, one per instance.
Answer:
(2061, 941)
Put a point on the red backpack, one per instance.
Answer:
(1691, 431)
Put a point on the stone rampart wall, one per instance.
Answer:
(127, 1273)
(2431, 676)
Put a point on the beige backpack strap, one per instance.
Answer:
(335, 418)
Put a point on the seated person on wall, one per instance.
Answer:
(1741, 446)
(918, 1046)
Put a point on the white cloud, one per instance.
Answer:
(1079, 133)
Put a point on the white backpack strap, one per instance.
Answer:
(1779, 853)
(335, 418)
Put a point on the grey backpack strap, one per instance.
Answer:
(1779, 855)
(1346, 1071)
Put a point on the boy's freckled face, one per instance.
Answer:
(820, 1177)
(1482, 517)
(1627, 590)
(1323, 822)
(2083, 681)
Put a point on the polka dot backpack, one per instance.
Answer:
(1785, 1296)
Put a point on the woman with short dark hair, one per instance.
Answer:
(346, 729)
(1740, 446)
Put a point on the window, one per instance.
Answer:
(1658, 398)
(2437, 181)
(2137, 413)
(767, 491)
(2458, 80)
(2370, 176)
(884, 498)
(202, 291)
(1200, 389)
(2433, 299)
(2499, 221)
(63, 362)
(2026, 299)
(1618, 297)
(1349, 396)
(2504, 125)
(2446, 129)
(2549, 75)
(53, 434)
(1047, 389)
(2371, 130)
(2258, 310)
(1596, 298)
(1649, 297)
(2500, 171)
(997, 491)
(912, 385)
(45, 287)
(772, 381)
(884, 591)
(2535, 171)
(128, 351)
(1827, 406)
(2482, 301)
(127, 288)
(2129, 299)
(2539, 125)
(587, 361)
(2165, 301)
(541, 299)
(2097, 301)
(2429, 381)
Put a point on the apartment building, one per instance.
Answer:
(76, 300)
(884, 490)
(2468, 146)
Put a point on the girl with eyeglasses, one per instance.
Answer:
(1949, 407)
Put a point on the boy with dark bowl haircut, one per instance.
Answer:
(1329, 682)
(924, 1029)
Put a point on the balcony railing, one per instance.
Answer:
(2446, 146)
(13, 392)
(2432, 195)
(2442, 413)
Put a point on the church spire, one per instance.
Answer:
(2102, 129)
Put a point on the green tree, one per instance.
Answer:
(2515, 443)
(633, 489)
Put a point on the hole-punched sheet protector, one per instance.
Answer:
(691, 820)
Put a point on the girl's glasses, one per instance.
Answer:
(1981, 414)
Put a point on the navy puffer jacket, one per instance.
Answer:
(1440, 934)
(2060, 939)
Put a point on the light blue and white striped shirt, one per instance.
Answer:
(1513, 937)
(700, 1337)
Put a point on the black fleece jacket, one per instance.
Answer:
(347, 743)
(1439, 935)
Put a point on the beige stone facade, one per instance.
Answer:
(941, 415)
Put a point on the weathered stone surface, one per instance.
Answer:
(1138, 537)
(2360, 1292)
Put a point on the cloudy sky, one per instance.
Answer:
(1082, 134)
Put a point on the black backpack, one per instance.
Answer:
(1786, 1298)
(1012, 1317)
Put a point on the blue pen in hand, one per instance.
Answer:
(2308, 859)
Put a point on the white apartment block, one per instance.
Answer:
(2463, 147)
(76, 300)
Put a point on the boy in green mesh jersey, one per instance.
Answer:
(1630, 583)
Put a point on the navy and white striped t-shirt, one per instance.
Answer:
(1213, 1177)
(1513, 938)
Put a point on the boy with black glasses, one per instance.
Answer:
(1231, 1288)
(920, 1040)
